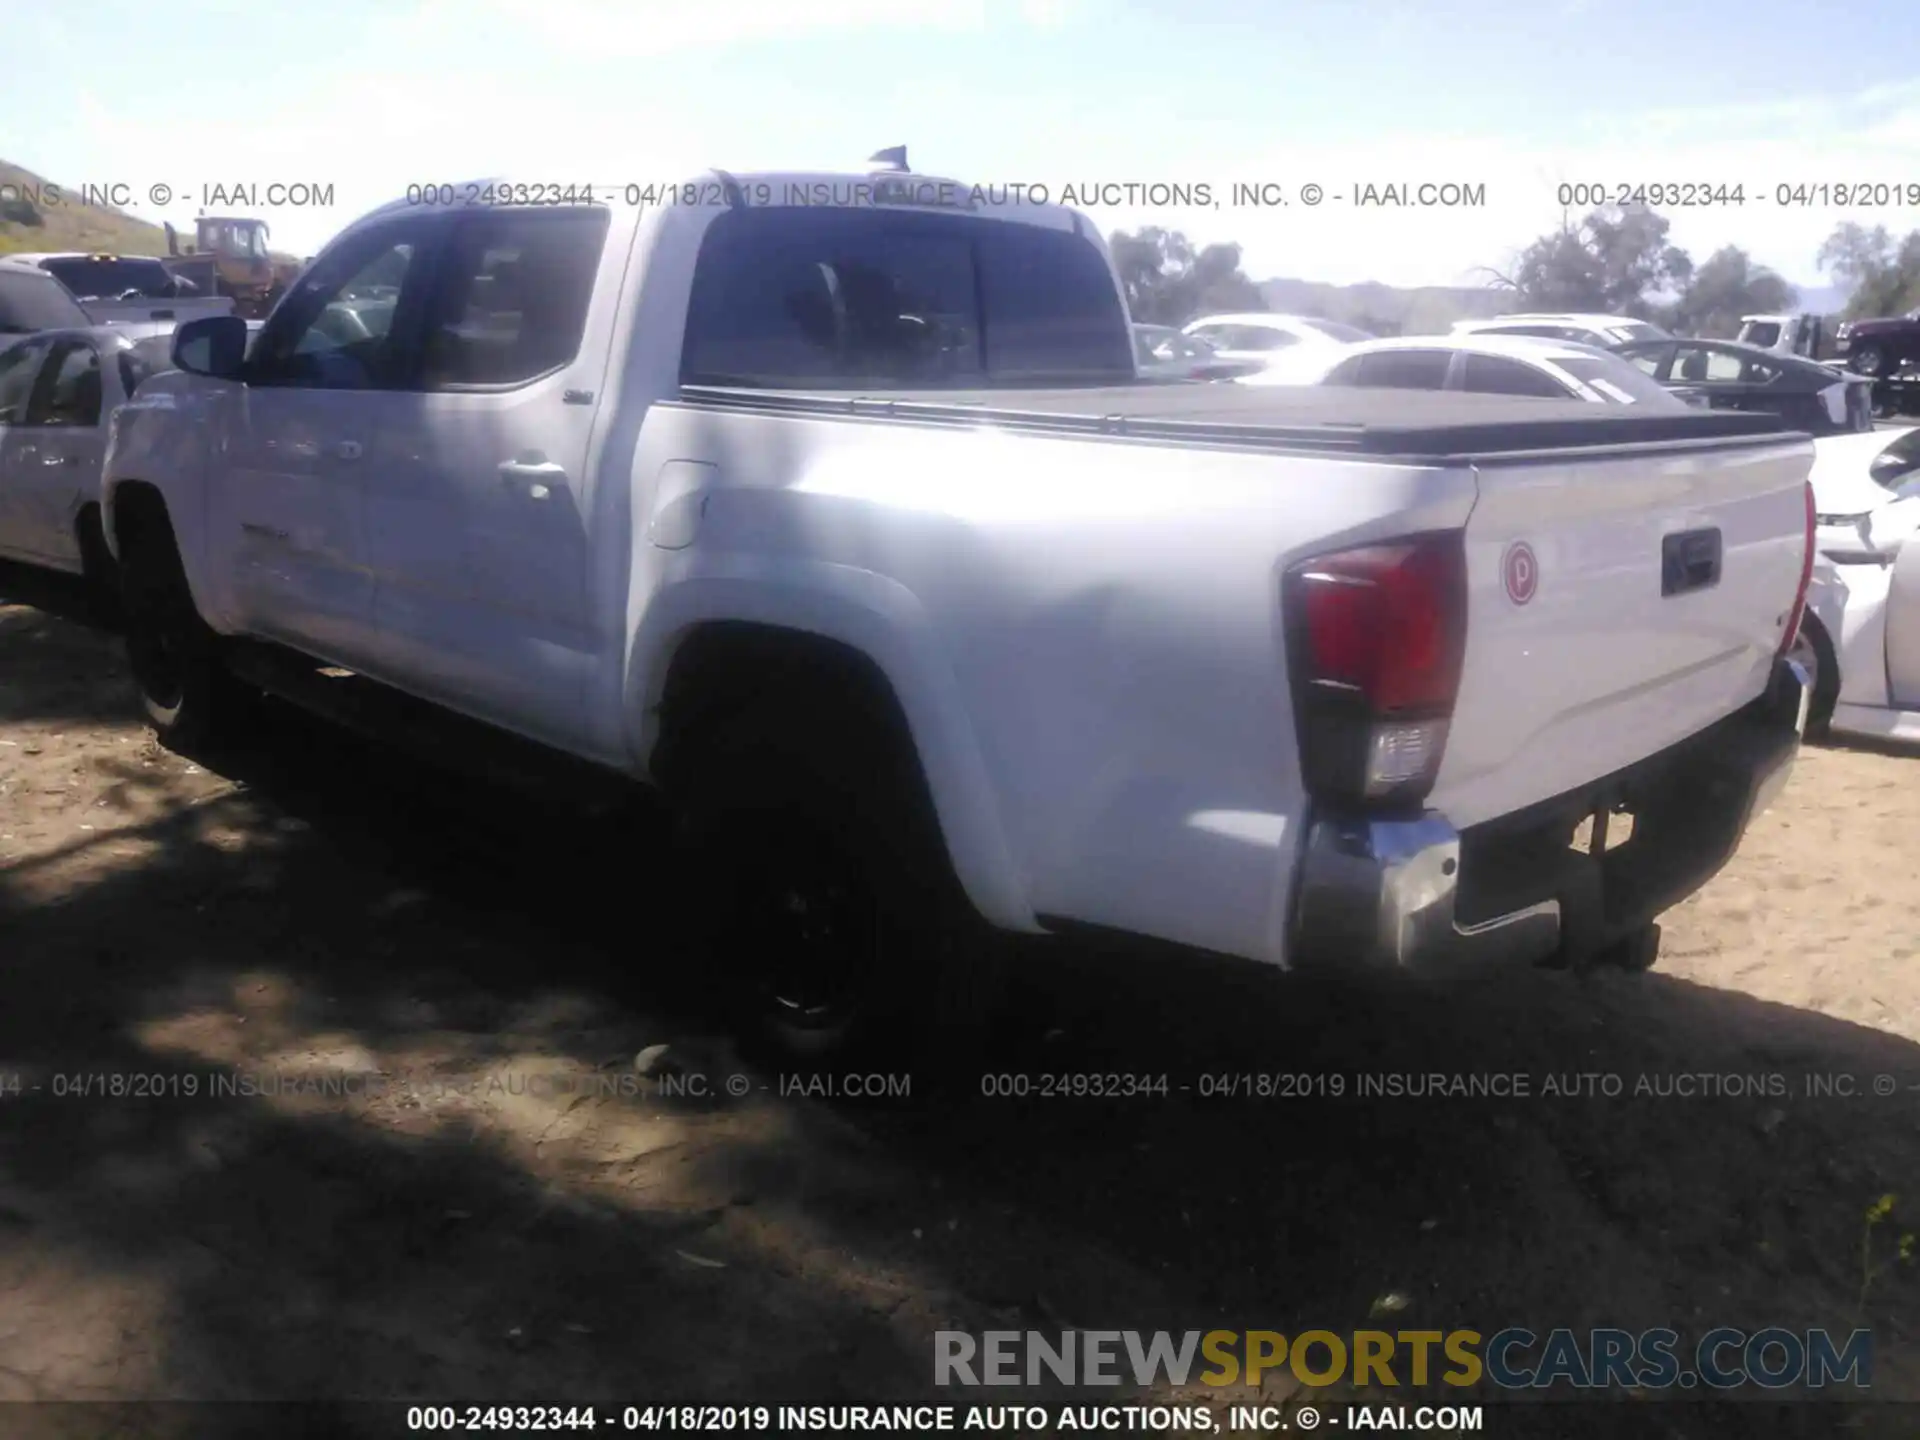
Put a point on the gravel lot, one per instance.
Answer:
(527, 1220)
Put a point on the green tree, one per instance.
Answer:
(1882, 275)
(1168, 282)
(1617, 261)
(1725, 286)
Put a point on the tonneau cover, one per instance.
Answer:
(1399, 423)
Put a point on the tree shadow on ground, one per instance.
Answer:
(316, 905)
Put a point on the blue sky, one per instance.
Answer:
(370, 96)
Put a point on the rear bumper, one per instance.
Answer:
(1416, 894)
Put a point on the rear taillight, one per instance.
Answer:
(1376, 636)
(1799, 609)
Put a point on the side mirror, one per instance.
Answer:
(215, 346)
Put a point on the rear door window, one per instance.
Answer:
(1497, 375)
(511, 298)
(1258, 338)
(1405, 370)
(69, 393)
(1697, 364)
(844, 296)
(1619, 382)
(1347, 372)
(19, 368)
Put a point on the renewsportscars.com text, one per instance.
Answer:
(1512, 1359)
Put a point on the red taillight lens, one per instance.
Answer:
(1376, 639)
(1799, 609)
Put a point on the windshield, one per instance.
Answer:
(1345, 334)
(91, 279)
(1619, 382)
(30, 302)
(1628, 330)
(1764, 333)
(1895, 465)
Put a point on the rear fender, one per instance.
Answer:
(882, 620)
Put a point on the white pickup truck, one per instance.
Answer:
(128, 290)
(846, 524)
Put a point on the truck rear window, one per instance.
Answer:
(110, 279)
(792, 297)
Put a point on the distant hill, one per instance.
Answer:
(1386, 309)
(67, 224)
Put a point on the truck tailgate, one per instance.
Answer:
(1616, 605)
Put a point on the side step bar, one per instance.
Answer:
(433, 736)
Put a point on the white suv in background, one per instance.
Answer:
(1603, 331)
(1274, 342)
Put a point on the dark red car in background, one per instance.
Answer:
(1881, 348)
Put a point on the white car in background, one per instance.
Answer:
(1601, 331)
(1860, 642)
(1499, 365)
(58, 391)
(1160, 352)
(1278, 343)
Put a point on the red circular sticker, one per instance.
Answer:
(1522, 570)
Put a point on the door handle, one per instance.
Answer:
(56, 459)
(537, 476)
(348, 450)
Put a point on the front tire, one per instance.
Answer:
(1813, 648)
(1868, 360)
(98, 571)
(185, 690)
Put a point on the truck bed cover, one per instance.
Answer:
(1400, 424)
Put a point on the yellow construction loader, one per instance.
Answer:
(229, 257)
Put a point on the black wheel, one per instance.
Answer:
(838, 935)
(1636, 953)
(1867, 360)
(184, 688)
(1814, 651)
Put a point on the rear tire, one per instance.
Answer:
(185, 690)
(841, 934)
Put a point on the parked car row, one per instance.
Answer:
(1492, 364)
(1724, 374)
(1861, 640)
(1555, 357)
(58, 389)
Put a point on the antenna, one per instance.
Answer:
(892, 159)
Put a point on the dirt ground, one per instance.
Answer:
(515, 1216)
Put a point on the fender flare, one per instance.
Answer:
(885, 622)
